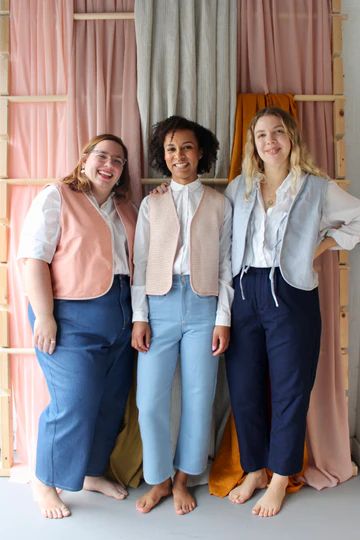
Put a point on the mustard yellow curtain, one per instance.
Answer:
(126, 458)
(226, 471)
(247, 106)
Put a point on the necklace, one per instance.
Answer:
(269, 203)
(268, 196)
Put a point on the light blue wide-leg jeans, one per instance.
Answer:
(181, 323)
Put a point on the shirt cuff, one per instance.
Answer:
(222, 318)
(140, 316)
(344, 240)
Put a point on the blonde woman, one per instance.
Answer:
(285, 214)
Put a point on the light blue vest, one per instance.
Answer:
(301, 234)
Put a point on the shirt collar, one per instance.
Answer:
(193, 186)
(106, 205)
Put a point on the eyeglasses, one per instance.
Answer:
(104, 156)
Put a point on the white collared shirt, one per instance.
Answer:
(41, 229)
(186, 198)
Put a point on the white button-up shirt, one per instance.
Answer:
(186, 198)
(41, 229)
(340, 220)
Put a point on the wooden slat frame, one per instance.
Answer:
(3, 285)
(5, 351)
(340, 172)
(6, 428)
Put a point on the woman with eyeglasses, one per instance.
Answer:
(76, 245)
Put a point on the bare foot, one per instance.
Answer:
(51, 506)
(184, 502)
(152, 498)
(270, 503)
(254, 480)
(105, 486)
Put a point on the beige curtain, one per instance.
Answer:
(186, 54)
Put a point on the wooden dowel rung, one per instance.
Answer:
(144, 181)
(314, 97)
(61, 98)
(36, 99)
(17, 350)
(104, 16)
(154, 181)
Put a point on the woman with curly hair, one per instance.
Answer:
(285, 215)
(181, 301)
(76, 245)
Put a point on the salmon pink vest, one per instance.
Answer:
(82, 267)
(204, 243)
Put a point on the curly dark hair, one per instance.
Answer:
(207, 142)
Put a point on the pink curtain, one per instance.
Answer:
(285, 47)
(102, 84)
(38, 65)
(94, 64)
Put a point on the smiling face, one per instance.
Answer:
(103, 167)
(182, 155)
(272, 142)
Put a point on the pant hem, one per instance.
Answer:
(58, 485)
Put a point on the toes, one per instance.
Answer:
(65, 511)
(119, 495)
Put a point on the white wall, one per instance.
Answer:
(351, 57)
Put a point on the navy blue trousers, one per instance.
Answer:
(271, 365)
(88, 377)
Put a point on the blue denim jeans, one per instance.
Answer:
(182, 323)
(88, 377)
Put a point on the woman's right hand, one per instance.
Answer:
(45, 329)
(140, 337)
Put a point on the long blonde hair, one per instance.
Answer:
(299, 159)
(78, 181)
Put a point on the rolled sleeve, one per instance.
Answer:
(226, 291)
(341, 217)
(41, 228)
(141, 249)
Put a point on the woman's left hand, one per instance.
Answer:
(325, 244)
(220, 340)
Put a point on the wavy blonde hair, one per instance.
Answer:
(77, 179)
(299, 159)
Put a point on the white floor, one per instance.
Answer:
(332, 514)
